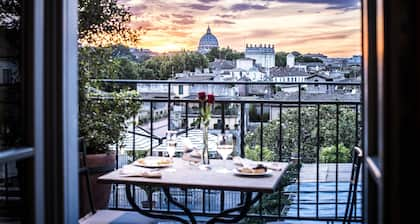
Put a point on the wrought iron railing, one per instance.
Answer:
(319, 198)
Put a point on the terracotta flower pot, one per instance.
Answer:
(98, 165)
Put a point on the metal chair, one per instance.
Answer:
(105, 216)
(355, 171)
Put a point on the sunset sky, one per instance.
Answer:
(331, 27)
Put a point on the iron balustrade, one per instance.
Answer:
(283, 105)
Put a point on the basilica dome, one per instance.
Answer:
(207, 42)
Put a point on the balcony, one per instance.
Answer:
(43, 46)
(314, 132)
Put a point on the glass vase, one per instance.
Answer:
(205, 153)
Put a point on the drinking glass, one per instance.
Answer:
(224, 148)
(171, 143)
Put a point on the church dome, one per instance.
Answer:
(207, 42)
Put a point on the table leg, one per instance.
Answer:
(243, 209)
(179, 205)
(149, 213)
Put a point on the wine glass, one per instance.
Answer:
(224, 148)
(171, 143)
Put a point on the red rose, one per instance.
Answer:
(210, 98)
(202, 96)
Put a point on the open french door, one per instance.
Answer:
(38, 111)
(392, 105)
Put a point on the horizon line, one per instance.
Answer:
(190, 50)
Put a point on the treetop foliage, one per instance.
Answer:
(105, 22)
(281, 58)
(224, 53)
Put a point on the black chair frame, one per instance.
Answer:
(84, 170)
(357, 161)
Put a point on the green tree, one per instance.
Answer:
(97, 63)
(254, 153)
(329, 154)
(194, 60)
(178, 63)
(306, 59)
(280, 59)
(296, 53)
(127, 69)
(145, 73)
(122, 51)
(224, 53)
(308, 137)
(101, 15)
(289, 142)
(164, 66)
(106, 18)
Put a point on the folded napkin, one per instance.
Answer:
(191, 153)
(188, 145)
(193, 156)
(252, 164)
(133, 171)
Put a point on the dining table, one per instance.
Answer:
(181, 174)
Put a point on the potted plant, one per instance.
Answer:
(103, 119)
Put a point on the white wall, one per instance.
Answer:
(290, 61)
(244, 64)
(154, 88)
(217, 90)
(266, 60)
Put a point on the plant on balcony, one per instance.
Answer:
(102, 119)
(103, 109)
(102, 115)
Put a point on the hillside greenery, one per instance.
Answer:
(308, 150)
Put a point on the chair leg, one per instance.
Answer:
(348, 203)
(353, 199)
(89, 191)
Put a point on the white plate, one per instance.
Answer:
(152, 162)
(267, 173)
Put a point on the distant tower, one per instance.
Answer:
(262, 54)
(290, 60)
(207, 42)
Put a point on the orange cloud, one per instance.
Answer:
(331, 27)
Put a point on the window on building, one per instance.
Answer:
(181, 89)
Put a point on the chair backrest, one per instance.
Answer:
(84, 170)
(354, 179)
